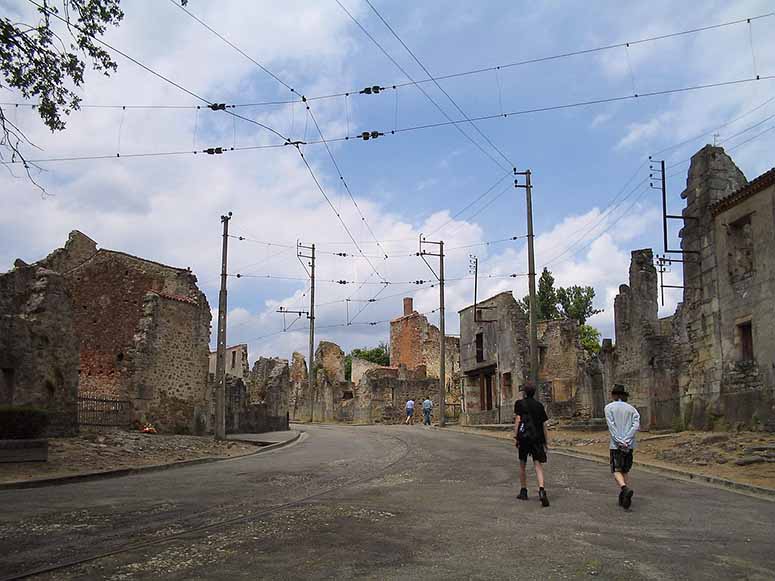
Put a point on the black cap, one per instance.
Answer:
(619, 390)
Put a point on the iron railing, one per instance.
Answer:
(103, 411)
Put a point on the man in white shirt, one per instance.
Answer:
(409, 412)
(623, 423)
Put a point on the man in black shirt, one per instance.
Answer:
(532, 439)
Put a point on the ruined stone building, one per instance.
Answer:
(712, 364)
(143, 330)
(39, 345)
(236, 358)
(495, 362)
(570, 378)
(493, 358)
(415, 343)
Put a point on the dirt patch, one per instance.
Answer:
(747, 457)
(103, 451)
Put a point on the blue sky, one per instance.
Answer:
(168, 208)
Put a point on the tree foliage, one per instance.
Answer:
(589, 338)
(379, 355)
(46, 61)
(576, 302)
(573, 302)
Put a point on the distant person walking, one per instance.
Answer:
(532, 440)
(409, 412)
(623, 423)
(427, 410)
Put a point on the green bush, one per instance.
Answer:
(22, 422)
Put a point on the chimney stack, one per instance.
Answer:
(408, 306)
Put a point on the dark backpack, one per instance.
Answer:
(527, 431)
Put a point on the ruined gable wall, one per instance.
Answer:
(166, 370)
(712, 176)
(143, 327)
(359, 367)
(39, 346)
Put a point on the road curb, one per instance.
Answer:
(675, 473)
(118, 473)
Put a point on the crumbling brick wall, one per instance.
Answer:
(143, 328)
(415, 343)
(39, 345)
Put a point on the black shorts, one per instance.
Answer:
(537, 451)
(621, 461)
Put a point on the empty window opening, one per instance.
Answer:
(479, 347)
(485, 392)
(7, 385)
(740, 249)
(233, 359)
(745, 338)
(507, 385)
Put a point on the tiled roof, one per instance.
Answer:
(761, 183)
(179, 298)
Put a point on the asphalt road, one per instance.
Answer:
(393, 502)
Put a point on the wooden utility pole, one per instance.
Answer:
(220, 358)
(311, 315)
(531, 271)
(442, 338)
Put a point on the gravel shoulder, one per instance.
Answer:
(744, 457)
(113, 450)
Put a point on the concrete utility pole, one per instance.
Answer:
(311, 315)
(442, 339)
(531, 271)
(220, 358)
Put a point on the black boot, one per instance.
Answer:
(522, 494)
(543, 497)
(626, 497)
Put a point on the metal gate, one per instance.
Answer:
(103, 411)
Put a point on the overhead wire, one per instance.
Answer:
(424, 126)
(479, 70)
(301, 153)
(439, 87)
(422, 90)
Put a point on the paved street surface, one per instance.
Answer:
(389, 502)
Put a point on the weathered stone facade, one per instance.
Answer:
(246, 417)
(381, 394)
(330, 385)
(39, 345)
(643, 357)
(494, 359)
(143, 331)
(415, 343)
(269, 382)
(571, 379)
(712, 364)
(299, 400)
(236, 358)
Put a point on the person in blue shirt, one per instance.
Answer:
(427, 410)
(623, 423)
